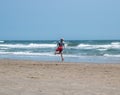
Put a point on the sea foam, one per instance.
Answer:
(28, 45)
(1, 41)
(107, 46)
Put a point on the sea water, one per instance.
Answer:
(96, 51)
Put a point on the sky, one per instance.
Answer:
(55, 19)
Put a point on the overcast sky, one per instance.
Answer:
(53, 19)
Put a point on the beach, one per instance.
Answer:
(23, 77)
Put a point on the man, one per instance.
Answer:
(60, 48)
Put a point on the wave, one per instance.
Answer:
(1, 41)
(27, 53)
(49, 54)
(115, 43)
(100, 47)
(34, 54)
(28, 46)
(111, 55)
(4, 48)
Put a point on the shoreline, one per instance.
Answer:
(25, 77)
(53, 61)
(82, 59)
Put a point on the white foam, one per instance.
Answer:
(4, 48)
(1, 41)
(102, 49)
(110, 55)
(73, 56)
(115, 43)
(28, 46)
(27, 53)
(107, 46)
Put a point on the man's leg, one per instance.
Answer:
(62, 56)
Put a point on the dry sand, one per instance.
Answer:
(54, 78)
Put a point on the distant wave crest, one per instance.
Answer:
(111, 55)
(99, 47)
(1, 41)
(28, 46)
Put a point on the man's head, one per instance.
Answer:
(61, 39)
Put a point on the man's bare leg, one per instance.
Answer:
(62, 57)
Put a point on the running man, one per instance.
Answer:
(60, 48)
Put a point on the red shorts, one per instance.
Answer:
(60, 49)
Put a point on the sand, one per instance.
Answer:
(55, 78)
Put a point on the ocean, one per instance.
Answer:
(92, 51)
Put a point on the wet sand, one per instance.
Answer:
(55, 78)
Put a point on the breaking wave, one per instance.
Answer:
(28, 45)
(99, 47)
(111, 55)
(1, 41)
